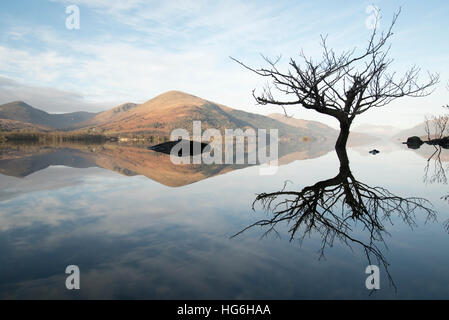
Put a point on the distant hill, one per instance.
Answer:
(323, 131)
(377, 130)
(418, 130)
(22, 112)
(313, 126)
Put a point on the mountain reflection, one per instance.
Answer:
(23, 159)
(340, 208)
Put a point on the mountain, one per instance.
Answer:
(321, 130)
(313, 126)
(24, 113)
(418, 130)
(175, 109)
(377, 130)
(162, 114)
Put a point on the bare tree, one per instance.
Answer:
(436, 127)
(342, 85)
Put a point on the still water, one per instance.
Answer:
(140, 227)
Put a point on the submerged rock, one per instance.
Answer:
(166, 147)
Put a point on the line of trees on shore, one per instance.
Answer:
(50, 136)
(59, 137)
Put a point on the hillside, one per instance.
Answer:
(22, 112)
(14, 125)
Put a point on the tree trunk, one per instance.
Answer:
(340, 145)
(343, 136)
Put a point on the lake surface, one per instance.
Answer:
(140, 227)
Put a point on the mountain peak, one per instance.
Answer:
(172, 93)
(175, 95)
(171, 99)
(18, 103)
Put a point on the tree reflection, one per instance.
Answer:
(341, 208)
(435, 173)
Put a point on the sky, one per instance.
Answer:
(131, 51)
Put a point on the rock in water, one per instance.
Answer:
(166, 147)
(414, 142)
